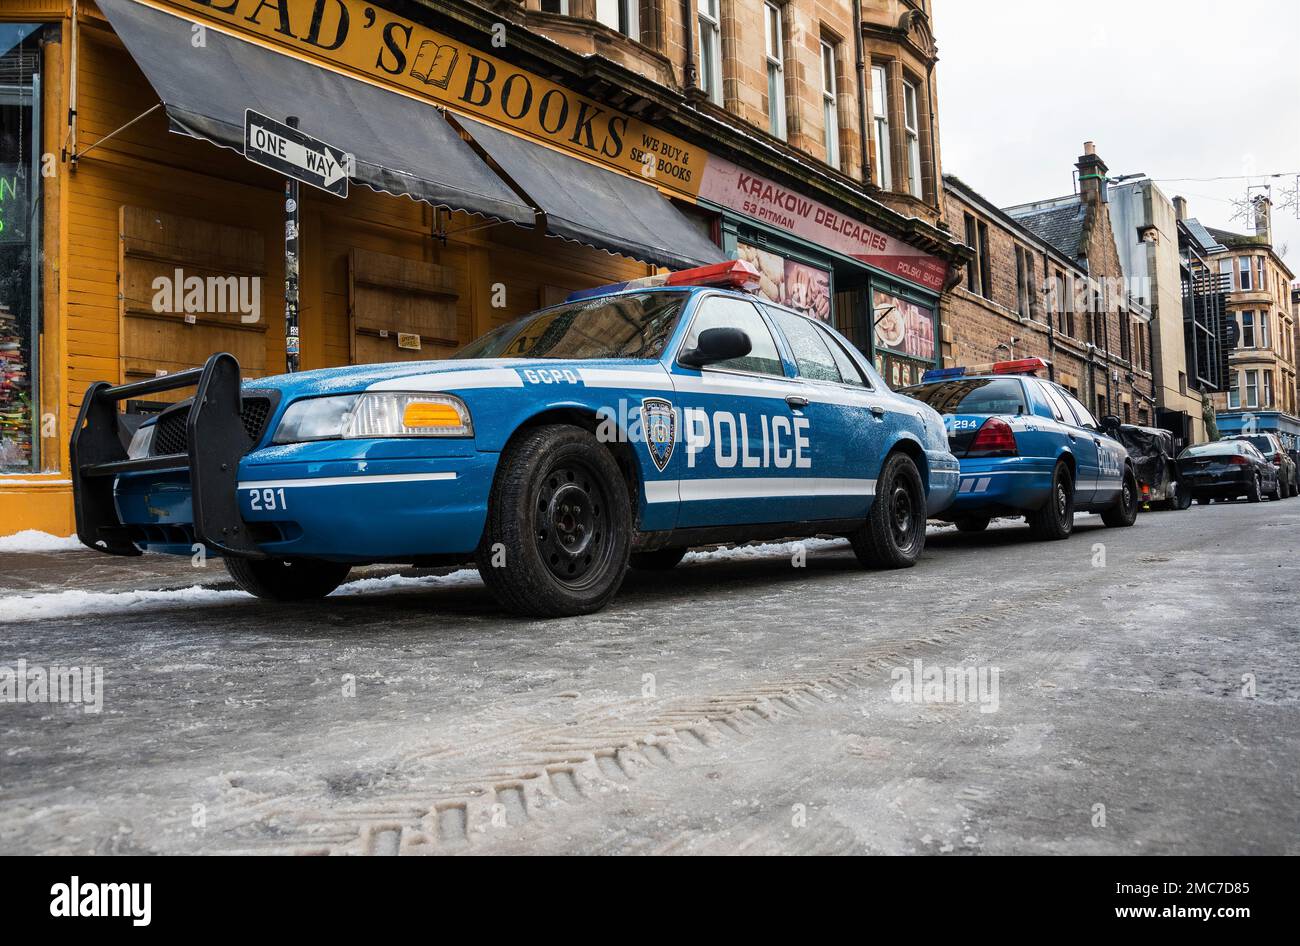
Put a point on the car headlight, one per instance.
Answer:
(141, 442)
(381, 414)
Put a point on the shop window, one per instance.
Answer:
(912, 131)
(830, 103)
(774, 37)
(906, 329)
(812, 356)
(880, 115)
(787, 282)
(621, 15)
(725, 312)
(710, 69)
(21, 255)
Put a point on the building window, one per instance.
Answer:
(1025, 283)
(912, 127)
(831, 103)
(880, 114)
(710, 51)
(1125, 337)
(1261, 275)
(1058, 287)
(20, 246)
(1234, 390)
(1268, 389)
(775, 48)
(1252, 388)
(978, 276)
(1243, 273)
(1263, 330)
(556, 6)
(1225, 275)
(1248, 330)
(621, 15)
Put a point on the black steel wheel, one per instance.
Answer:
(559, 529)
(894, 534)
(1055, 520)
(1125, 511)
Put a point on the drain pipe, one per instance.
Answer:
(860, 52)
(691, 74)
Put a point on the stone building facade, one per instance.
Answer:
(1046, 281)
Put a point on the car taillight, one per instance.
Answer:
(994, 438)
(1277, 459)
(1236, 460)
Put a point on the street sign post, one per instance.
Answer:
(281, 147)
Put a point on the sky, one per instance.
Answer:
(1169, 88)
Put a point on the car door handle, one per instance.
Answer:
(877, 410)
(796, 401)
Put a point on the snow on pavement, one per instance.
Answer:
(64, 604)
(31, 540)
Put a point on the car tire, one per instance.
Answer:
(1276, 495)
(1254, 494)
(660, 560)
(894, 534)
(1204, 500)
(1183, 499)
(1055, 520)
(974, 524)
(558, 530)
(1125, 511)
(279, 579)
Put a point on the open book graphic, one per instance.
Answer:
(433, 63)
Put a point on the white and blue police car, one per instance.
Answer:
(1027, 448)
(621, 427)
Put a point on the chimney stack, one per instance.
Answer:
(1264, 218)
(1092, 176)
(1180, 208)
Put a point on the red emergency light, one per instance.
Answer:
(732, 274)
(1029, 366)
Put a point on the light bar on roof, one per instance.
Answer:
(733, 274)
(1027, 366)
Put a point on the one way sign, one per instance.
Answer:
(275, 145)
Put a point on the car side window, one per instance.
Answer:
(1060, 410)
(850, 373)
(811, 355)
(726, 312)
(1085, 419)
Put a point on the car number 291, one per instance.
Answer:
(266, 500)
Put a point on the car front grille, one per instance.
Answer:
(171, 436)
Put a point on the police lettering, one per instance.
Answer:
(780, 442)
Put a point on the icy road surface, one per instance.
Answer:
(1147, 700)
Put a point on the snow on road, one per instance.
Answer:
(75, 603)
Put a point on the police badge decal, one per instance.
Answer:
(659, 430)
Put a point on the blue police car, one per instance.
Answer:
(621, 427)
(1027, 447)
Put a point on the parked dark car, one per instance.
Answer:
(1226, 469)
(1275, 453)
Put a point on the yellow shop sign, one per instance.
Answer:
(379, 46)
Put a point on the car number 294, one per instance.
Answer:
(267, 500)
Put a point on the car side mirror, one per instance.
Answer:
(1111, 422)
(717, 344)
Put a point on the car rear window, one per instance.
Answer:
(972, 396)
(1262, 444)
(1221, 448)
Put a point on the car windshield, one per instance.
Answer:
(1219, 449)
(632, 325)
(972, 396)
